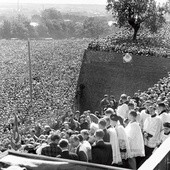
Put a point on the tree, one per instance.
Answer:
(51, 14)
(94, 26)
(135, 12)
(5, 30)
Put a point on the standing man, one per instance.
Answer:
(52, 149)
(104, 103)
(162, 112)
(113, 102)
(152, 131)
(102, 125)
(123, 109)
(64, 145)
(79, 150)
(101, 152)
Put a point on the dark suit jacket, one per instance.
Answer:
(102, 153)
(106, 137)
(68, 155)
(52, 150)
(81, 155)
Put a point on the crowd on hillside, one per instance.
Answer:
(123, 133)
(152, 46)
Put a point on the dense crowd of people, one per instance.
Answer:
(147, 44)
(123, 133)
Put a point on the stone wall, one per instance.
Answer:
(105, 73)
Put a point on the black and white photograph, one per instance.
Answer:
(84, 84)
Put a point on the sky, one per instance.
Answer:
(63, 1)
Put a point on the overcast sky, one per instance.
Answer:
(63, 1)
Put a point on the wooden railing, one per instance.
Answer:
(160, 159)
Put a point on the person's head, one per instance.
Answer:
(132, 115)
(113, 120)
(102, 123)
(32, 132)
(107, 121)
(131, 106)
(85, 134)
(99, 134)
(47, 128)
(66, 125)
(68, 133)
(106, 96)
(74, 140)
(109, 112)
(123, 98)
(93, 128)
(97, 113)
(147, 104)
(151, 110)
(82, 118)
(77, 114)
(55, 138)
(81, 139)
(31, 141)
(166, 126)
(161, 107)
(63, 144)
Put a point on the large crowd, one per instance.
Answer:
(121, 133)
(147, 44)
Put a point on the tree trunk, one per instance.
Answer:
(135, 25)
(136, 29)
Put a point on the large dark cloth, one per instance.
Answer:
(102, 153)
(52, 150)
(68, 155)
(106, 137)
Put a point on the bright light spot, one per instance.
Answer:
(110, 23)
(34, 24)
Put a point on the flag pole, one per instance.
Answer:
(30, 72)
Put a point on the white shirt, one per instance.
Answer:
(153, 126)
(143, 116)
(165, 117)
(135, 138)
(38, 151)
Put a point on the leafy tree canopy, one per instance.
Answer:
(135, 12)
(51, 14)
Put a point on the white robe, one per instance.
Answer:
(123, 142)
(135, 138)
(115, 146)
(153, 126)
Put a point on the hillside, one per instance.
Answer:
(55, 67)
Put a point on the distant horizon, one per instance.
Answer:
(62, 2)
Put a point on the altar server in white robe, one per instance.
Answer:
(152, 131)
(115, 146)
(135, 138)
(122, 140)
(161, 109)
(166, 132)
